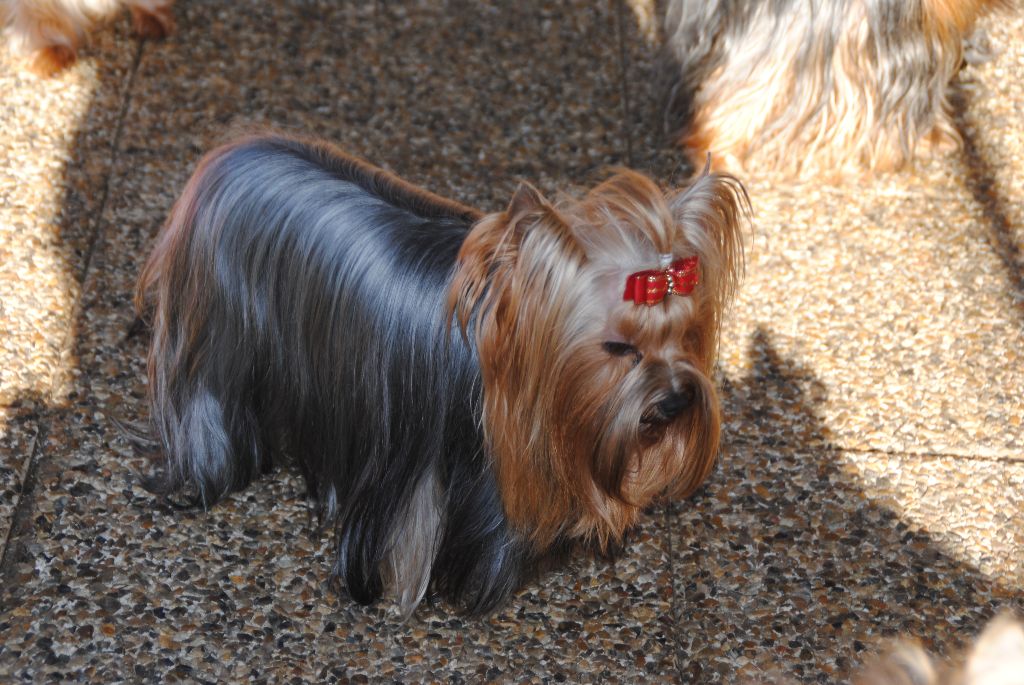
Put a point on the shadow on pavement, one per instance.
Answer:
(784, 566)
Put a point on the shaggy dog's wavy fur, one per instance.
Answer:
(463, 392)
(816, 86)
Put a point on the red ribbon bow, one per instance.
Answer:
(650, 287)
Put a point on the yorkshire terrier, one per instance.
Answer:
(50, 32)
(816, 85)
(463, 393)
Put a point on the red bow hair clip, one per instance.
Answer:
(675, 277)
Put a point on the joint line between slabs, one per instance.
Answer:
(28, 486)
(627, 107)
(679, 650)
(115, 145)
(96, 221)
(1007, 458)
(23, 506)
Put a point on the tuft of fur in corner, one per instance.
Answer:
(50, 32)
(997, 658)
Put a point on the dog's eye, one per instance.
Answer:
(621, 349)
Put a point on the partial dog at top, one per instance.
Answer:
(50, 32)
(816, 87)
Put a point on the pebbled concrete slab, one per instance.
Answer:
(790, 569)
(871, 479)
(896, 290)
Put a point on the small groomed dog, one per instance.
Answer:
(816, 86)
(463, 393)
(50, 32)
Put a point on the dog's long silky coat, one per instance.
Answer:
(443, 379)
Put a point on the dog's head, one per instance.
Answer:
(596, 324)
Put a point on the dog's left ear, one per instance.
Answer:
(713, 213)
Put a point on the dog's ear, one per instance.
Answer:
(530, 234)
(713, 213)
(526, 200)
(530, 213)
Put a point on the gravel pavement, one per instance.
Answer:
(871, 482)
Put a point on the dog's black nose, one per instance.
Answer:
(678, 402)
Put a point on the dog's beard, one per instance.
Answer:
(653, 435)
(611, 438)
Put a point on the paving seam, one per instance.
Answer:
(20, 525)
(994, 456)
(1008, 458)
(97, 230)
(624, 68)
(22, 510)
(676, 608)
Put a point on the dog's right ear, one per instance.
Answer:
(494, 247)
(526, 200)
(530, 213)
